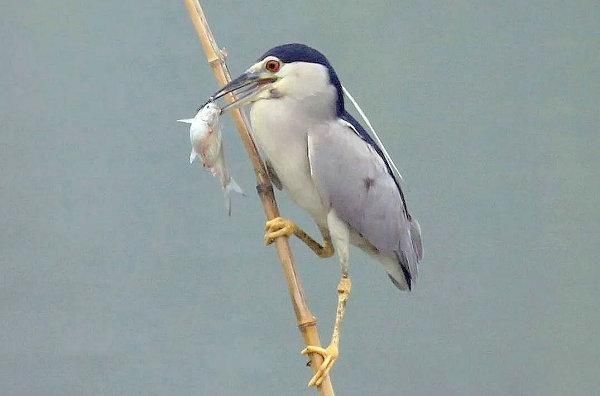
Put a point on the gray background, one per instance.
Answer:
(121, 274)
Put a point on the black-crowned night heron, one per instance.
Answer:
(330, 166)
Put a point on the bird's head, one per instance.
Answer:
(291, 70)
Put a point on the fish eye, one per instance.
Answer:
(273, 65)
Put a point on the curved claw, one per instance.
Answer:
(329, 355)
(278, 227)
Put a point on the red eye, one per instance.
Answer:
(273, 66)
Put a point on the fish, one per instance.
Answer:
(207, 145)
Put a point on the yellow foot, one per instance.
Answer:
(278, 227)
(329, 355)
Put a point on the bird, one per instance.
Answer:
(331, 167)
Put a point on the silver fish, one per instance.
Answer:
(205, 136)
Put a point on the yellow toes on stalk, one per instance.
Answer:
(329, 355)
(278, 227)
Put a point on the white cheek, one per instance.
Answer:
(285, 85)
(303, 80)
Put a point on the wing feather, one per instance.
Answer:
(352, 178)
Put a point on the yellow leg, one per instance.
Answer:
(331, 353)
(280, 226)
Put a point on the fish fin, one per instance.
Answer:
(232, 186)
(186, 120)
(193, 156)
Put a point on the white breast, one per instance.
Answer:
(280, 129)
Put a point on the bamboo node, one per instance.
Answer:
(264, 188)
(214, 60)
(307, 323)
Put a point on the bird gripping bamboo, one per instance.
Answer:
(305, 319)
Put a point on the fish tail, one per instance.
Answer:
(230, 187)
(233, 186)
(228, 204)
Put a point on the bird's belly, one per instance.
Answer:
(284, 140)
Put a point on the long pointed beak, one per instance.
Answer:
(244, 88)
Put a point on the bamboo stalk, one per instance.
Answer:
(307, 323)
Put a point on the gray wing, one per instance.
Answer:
(353, 179)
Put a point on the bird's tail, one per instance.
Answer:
(402, 269)
(397, 271)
